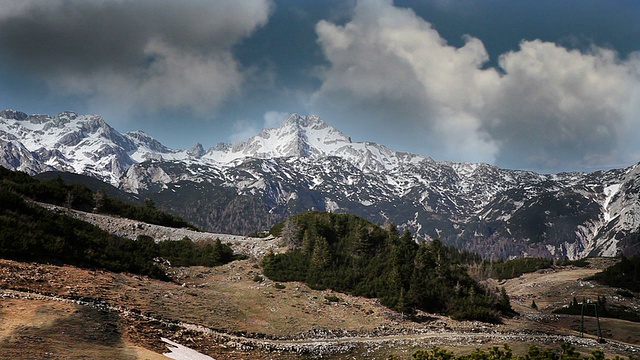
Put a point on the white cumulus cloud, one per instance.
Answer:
(545, 104)
(273, 119)
(244, 129)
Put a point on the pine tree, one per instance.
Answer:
(290, 234)
(504, 303)
(98, 200)
(320, 260)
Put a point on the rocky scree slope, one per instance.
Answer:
(307, 164)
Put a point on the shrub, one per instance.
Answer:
(331, 298)
(516, 267)
(625, 293)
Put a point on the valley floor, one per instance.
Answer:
(60, 312)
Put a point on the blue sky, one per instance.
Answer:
(546, 85)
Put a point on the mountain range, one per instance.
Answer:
(307, 164)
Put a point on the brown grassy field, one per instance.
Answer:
(223, 312)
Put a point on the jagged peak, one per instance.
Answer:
(221, 146)
(307, 121)
(140, 137)
(13, 114)
(196, 151)
(138, 134)
(94, 123)
(71, 115)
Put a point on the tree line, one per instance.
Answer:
(77, 196)
(565, 352)
(624, 274)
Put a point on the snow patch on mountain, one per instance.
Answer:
(610, 191)
(306, 163)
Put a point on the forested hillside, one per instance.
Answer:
(349, 254)
(624, 274)
(80, 197)
(31, 233)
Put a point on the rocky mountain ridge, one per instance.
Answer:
(308, 164)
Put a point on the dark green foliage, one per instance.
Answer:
(349, 254)
(29, 232)
(259, 234)
(515, 267)
(433, 353)
(187, 253)
(79, 197)
(624, 274)
(279, 286)
(565, 352)
(93, 184)
(603, 307)
(625, 293)
(437, 353)
(276, 229)
(578, 263)
(508, 269)
(331, 298)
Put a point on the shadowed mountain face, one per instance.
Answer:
(307, 164)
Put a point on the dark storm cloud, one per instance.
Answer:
(106, 48)
(55, 39)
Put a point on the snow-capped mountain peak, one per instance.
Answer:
(311, 137)
(297, 136)
(145, 143)
(301, 121)
(13, 114)
(83, 144)
(305, 163)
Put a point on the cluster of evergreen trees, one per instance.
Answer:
(624, 274)
(80, 197)
(565, 352)
(349, 254)
(187, 253)
(513, 268)
(31, 233)
(508, 269)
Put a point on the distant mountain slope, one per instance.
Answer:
(91, 183)
(78, 196)
(308, 164)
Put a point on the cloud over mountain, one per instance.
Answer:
(526, 85)
(545, 104)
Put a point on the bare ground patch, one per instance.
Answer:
(224, 313)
